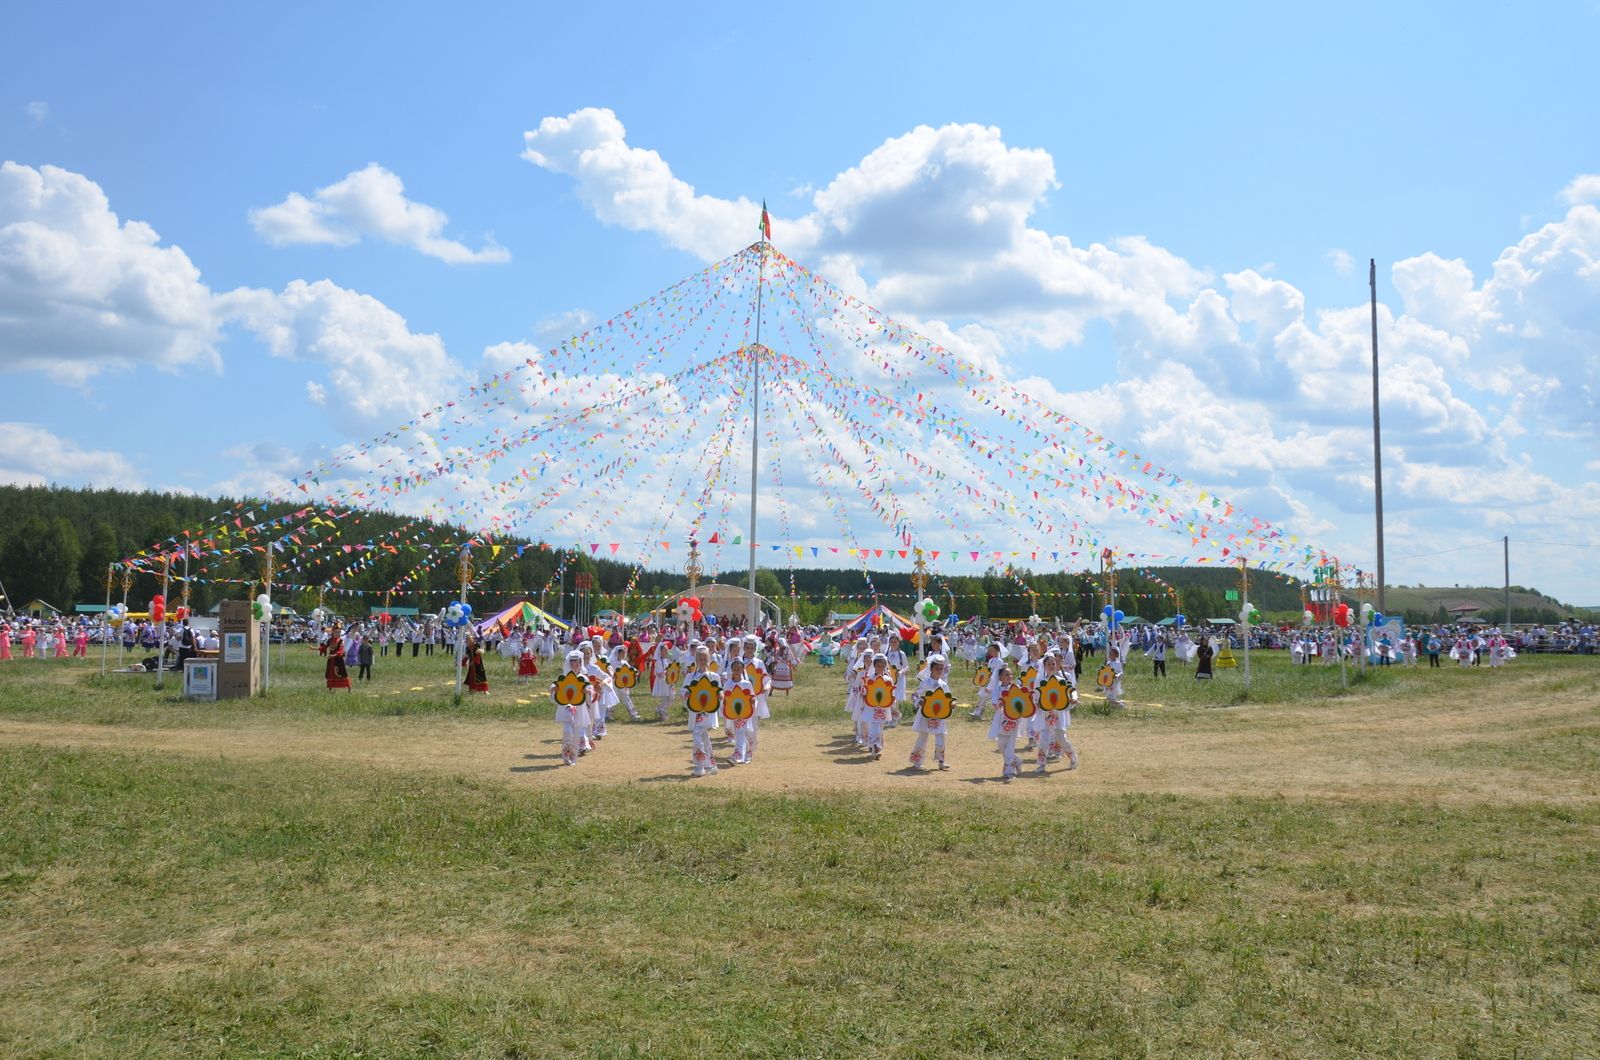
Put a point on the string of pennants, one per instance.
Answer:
(861, 419)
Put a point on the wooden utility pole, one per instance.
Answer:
(1506, 544)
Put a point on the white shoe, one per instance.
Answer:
(698, 773)
(944, 765)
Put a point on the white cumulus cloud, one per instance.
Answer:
(82, 291)
(369, 203)
(1584, 188)
(378, 371)
(31, 455)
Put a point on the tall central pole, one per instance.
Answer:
(464, 568)
(755, 427)
(1377, 435)
(1244, 618)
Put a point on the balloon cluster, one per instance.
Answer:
(689, 610)
(117, 615)
(261, 610)
(1113, 616)
(458, 614)
(158, 608)
(927, 611)
(1341, 616)
(1180, 620)
(1307, 618)
(1248, 614)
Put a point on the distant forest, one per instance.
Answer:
(57, 544)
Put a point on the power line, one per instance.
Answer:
(1486, 544)
(1447, 551)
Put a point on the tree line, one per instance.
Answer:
(56, 544)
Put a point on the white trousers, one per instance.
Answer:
(744, 742)
(700, 757)
(1053, 741)
(920, 748)
(1008, 753)
(571, 740)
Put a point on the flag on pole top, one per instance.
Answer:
(766, 222)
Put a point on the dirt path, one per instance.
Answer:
(1358, 749)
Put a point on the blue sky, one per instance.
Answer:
(1260, 142)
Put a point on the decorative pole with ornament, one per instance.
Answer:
(111, 576)
(458, 614)
(158, 615)
(919, 582)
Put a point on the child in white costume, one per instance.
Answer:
(860, 669)
(665, 689)
(1003, 730)
(618, 657)
(761, 680)
(923, 726)
(1050, 726)
(898, 663)
(574, 718)
(876, 717)
(1114, 693)
(701, 760)
(605, 698)
(741, 729)
(994, 661)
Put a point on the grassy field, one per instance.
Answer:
(1404, 869)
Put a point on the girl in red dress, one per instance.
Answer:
(336, 673)
(477, 677)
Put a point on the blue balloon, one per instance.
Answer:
(1106, 610)
(1117, 617)
(1377, 618)
(711, 620)
(1182, 620)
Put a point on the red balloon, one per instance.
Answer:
(908, 633)
(1341, 615)
(697, 616)
(158, 608)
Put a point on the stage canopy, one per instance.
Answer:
(521, 611)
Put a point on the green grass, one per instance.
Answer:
(156, 905)
(75, 691)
